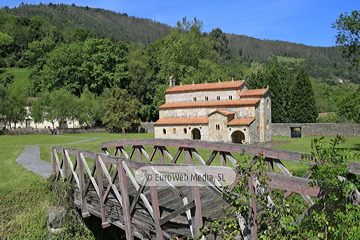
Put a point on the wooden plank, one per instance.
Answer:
(177, 155)
(137, 196)
(90, 174)
(167, 153)
(104, 221)
(196, 213)
(136, 185)
(65, 167)
(231, 158)
(138, 153)
(287, 173)
(253, 212)
(110, 183)
(156, 208)
(53, 160)
(222, 158)
(219, 146)
(124, 152)
(211, 158)
(198, 157)
(84, 208)
(72, 168)
(180, 209)
(161, 154)
(294, 184)
(143, 151)
(125, 201)
(188, 156)
(151, 157)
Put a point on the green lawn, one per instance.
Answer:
(304, 144)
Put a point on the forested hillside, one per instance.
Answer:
(103, 23)
(322, 63)
(84, 61)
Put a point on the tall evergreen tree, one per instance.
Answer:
(302, 104)
(272, 75)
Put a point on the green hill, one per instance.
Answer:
(103, 23)
(322, 63)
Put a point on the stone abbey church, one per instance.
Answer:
(220, 111)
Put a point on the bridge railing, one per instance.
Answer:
(191, 148)
(112, 177)
(112, 172)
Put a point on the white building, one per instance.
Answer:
(221, 111)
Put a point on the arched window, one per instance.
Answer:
(195, 134)
(174, 130)
(230, 97)
(164, 131)
(185, 130)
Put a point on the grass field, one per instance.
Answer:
(26, 198)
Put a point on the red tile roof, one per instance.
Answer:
(223, 112)
(229, 103)
(205, 87)
(176, 121)
(240, 121)
(253, 93)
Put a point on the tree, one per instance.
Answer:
(302, 103)
(37, 111)
(277, 78)
(88, 108)
(348, 36)
(121, 107)
(3, 99)
(5, 43)
(348, 106)
(98, 63)
(15, 104)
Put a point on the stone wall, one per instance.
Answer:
(317, 129)
(36, 131)
(144, 127)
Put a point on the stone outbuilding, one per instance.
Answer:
(220, 111)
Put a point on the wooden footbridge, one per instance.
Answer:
(105, 185)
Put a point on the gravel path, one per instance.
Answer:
(30, 159)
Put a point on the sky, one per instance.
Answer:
(307, 22)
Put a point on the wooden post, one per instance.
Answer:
(270, 163)
(252, 215)
(222, 159)
(65, 163)
(125, 200)
(188, 156)
(155, 206)
(84, 209)
(53, 160)
(161, 154)
(104, 223)
(196, 213)
(138, 153)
